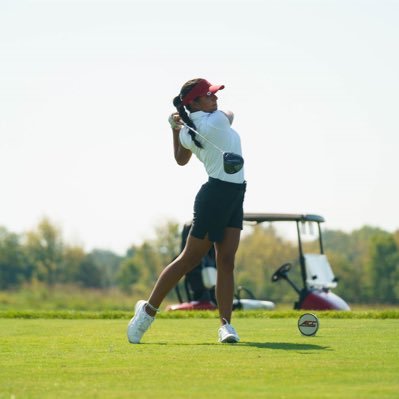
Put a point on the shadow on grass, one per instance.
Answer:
(287, 346)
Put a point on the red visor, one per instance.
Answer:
(202, 88)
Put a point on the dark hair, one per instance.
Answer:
(177, 102)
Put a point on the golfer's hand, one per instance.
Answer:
(175, 121)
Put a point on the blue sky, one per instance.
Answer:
(86, 90)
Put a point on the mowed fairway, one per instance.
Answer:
(180, 358)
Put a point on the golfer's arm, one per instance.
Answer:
(182, 155)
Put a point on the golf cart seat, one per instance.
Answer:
(319, 272)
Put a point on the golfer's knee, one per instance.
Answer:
(225, 264)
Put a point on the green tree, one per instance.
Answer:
(69, 269)
(259, 255)
(128, 275)
(14, 268)
(167, 242)
(143, 264)
(348, 265)
(89, 274)
(148, 260)
(108, 263)
(45, 249)
(396, 237)
(349, 255)
(385, 267)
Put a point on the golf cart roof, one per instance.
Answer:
(281, 217)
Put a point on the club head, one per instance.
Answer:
(232, 163)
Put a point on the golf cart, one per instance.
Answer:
(316, 274)
(199, 287)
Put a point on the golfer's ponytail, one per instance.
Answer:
(177, 102)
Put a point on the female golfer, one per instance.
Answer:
(218, 207)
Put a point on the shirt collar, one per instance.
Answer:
(197, 115)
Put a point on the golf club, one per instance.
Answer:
(232, 163)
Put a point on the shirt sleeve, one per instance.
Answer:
(183, 137)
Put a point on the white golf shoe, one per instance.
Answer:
(139, 324)
(227, 334)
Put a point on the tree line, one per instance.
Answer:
(366, 261)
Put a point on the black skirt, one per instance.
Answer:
(217, 205)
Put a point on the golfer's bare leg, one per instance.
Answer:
(190, 257)
(225, 256)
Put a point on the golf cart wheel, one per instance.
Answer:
(281, 272)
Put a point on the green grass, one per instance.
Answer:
(390, 313)
(64, 297)
(180, 358)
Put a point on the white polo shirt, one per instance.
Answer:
(216, 128)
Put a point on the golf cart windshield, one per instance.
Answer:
(316, 271)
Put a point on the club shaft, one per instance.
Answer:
(208, 141)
